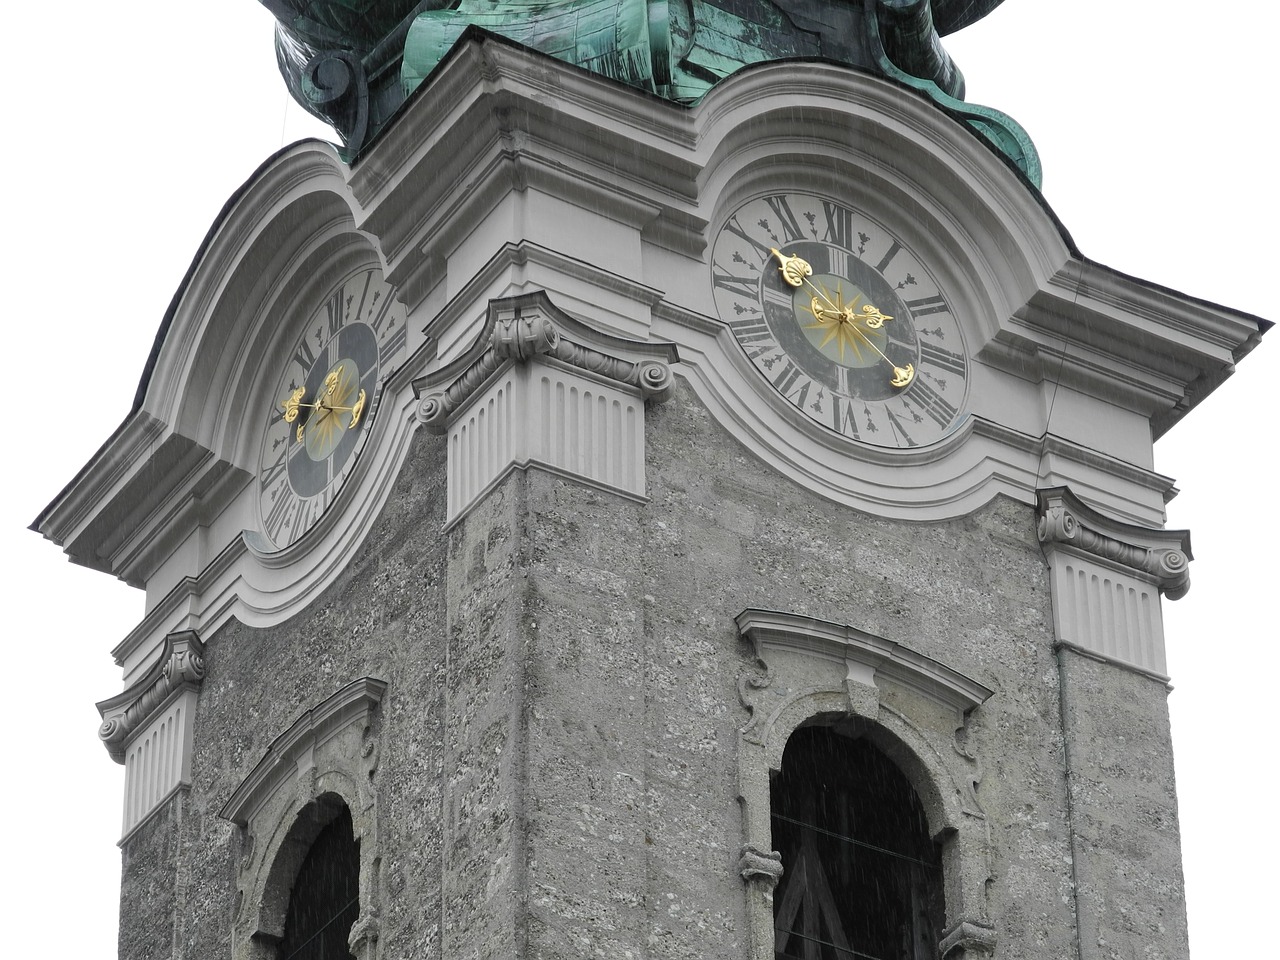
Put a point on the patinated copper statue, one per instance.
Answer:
(353, 62)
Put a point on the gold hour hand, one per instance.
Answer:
(821, 311)
(356, 408)
(871, 317)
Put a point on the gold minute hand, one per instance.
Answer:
(796, 271)
(901, 375)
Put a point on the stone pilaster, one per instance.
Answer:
(529, 393)
(149, 727)
(1107, 580)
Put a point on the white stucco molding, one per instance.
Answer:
(180, 666)
(1108, 578)
(865, 657)
(149, 727)
(539, 387)
(324, 761)
(511, 172)
(909, 705)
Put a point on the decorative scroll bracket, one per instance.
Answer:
(180, 666)
(541, 387)
(149, 727)
(1107, 580)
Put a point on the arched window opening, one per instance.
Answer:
(862, 880)
(325, 900)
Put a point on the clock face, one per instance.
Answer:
(323, 402)
(842, 318)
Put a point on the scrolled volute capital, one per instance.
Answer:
(435, 408)
(180, 665)
(522, 338)
(1173, 568)
(655, 380)
(433, 412)
(1162, 556)
(184, 666)
(760, 866)
(1056, 524)
(524, 328)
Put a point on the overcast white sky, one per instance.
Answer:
(132, 123)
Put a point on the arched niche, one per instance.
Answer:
(862, 871)
(320, 769)
(908, 707)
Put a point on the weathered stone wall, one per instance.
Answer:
(634, 701)
(149, 886)
(557, 768)
(385, 617)
(1127, 855)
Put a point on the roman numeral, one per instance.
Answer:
(843, 418)
(275, 470)
(938, 357)
(755, 336)
(736, 228)
(898, 429)
(280, 513)
(335, 311)
(927, 305)
(738, 286)
(887, 259)
(307, 511)
(842, 381)
(786, 383)
(931, 402)
(839, 224)
(364, 294)
(749, 331)
(303, 356)
(782, 210)
(381, 318)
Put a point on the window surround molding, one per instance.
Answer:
(324, 761)
(811, 670)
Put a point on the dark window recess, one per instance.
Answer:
(861, 877)
(325, 900)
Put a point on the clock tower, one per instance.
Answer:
(687, 501)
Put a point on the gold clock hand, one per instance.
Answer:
(901, 375)
(796, 271)
(870, 316)
(355, 409)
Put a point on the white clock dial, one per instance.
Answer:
(325, 398)
(843, 318)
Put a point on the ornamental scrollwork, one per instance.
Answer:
(181, 665)
(524, 333)
(1162, 555)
